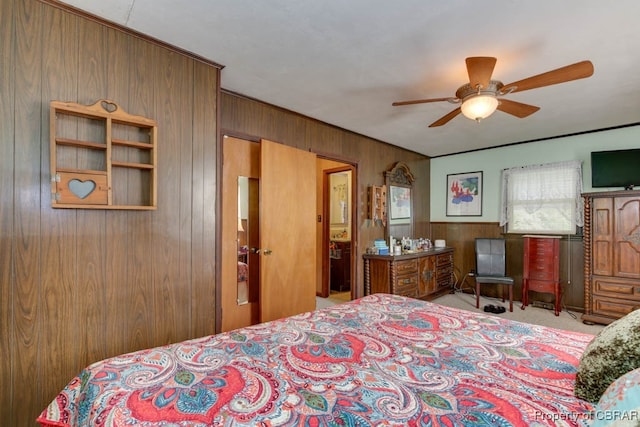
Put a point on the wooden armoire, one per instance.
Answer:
(611, 255)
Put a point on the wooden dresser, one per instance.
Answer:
(417, 275)
(611, 255)
(541, 268)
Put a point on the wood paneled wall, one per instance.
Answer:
(461, 236)
(241, 116)
(81, 285)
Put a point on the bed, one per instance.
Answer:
(378, 360)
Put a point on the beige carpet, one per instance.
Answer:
(539, 316)
(334, 298)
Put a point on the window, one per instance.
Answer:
(542, 198)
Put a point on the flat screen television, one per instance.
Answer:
(615, 168)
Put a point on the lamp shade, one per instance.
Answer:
(479, 106)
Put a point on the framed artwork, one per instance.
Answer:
(399, 204)
(464, 194)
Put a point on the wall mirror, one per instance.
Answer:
(340, 210)
(400, 215)
(248, 240)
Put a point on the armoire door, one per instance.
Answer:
(284, 252)
(627, 237)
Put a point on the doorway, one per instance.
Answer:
(337, 235)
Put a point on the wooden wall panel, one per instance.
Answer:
(59, 260)
(81, 285)
(92, 311)
(27, 308)
(140, 263)
(7, 205)
(172, 251)
(461, 236)
(204, 201)
(117, 224)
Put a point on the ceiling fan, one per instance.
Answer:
(480, 97)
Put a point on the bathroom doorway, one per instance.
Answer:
(338, 231)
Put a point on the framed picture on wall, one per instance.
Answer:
(464, 194)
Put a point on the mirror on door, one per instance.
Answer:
(248, 237)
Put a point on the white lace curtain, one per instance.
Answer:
(542, 196)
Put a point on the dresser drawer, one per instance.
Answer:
(616, 288)
(542, 251)
(542, 245)
(411, 293)
(406, 285)
(442, 260)
(542, 261)
(541, 272)
(406, 267)
(407, 281)
(613, 307)
(541, 286)
(443, 275)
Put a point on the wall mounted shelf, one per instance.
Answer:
(378, 203)
(102, 157)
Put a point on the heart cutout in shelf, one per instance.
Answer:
(81, 189)
(109, 106)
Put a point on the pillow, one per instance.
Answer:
(611, 354)
(620, 403)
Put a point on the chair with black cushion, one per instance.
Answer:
(491, 267)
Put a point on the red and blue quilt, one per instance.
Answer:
(381, 360)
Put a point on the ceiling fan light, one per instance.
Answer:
(479, 107)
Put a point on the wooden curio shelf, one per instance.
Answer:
(378, 204)
(102, 157)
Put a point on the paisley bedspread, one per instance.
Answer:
(378, 360)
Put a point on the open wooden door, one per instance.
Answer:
(282, 247)
(241, 161)
(287, 231)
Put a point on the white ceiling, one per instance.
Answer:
(345, 61)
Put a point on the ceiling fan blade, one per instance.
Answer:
(579, 70)
(422, 101)
(517, 109)
(480, 69)
(445, 119)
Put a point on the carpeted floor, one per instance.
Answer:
(334, 298)
(538, 316)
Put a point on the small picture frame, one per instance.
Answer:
(464, 194)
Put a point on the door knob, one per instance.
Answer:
(267, 251)
(255, 250)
